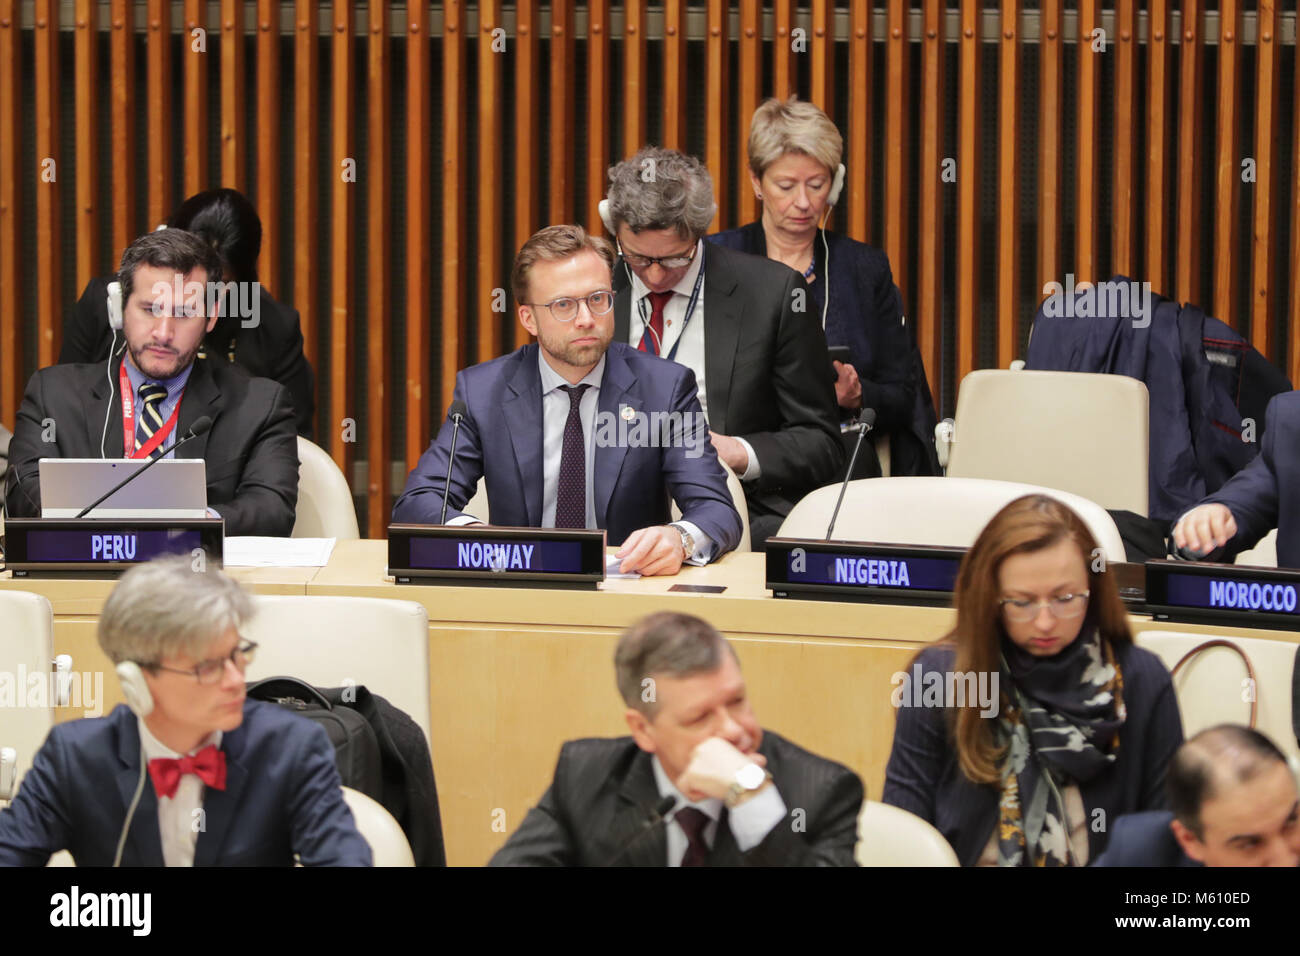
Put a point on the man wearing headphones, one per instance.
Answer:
(144, 398)
(190, 772)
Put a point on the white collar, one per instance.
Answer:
(711, 807)
(155, 749)
(551, 379)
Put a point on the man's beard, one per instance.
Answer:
(576, 356)
(181, 362)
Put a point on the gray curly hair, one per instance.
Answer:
(662, 189)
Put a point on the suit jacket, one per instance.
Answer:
(251, 451)
(271, 349)
(923, 776)
(1266, 493)
(282, 797)
(766, 376)
(501, 441)
(596, 809)
(1144, 839)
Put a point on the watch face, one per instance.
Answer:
(751, 777)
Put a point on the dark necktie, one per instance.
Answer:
(151, 399)
(653, 335)
(693, 822)
(571, 493)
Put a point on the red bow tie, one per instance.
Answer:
(209, 765)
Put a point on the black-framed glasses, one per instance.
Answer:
(1062, 607)
(565, 308)
(679, 261)
(210, 671)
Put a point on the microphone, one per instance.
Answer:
(866, 421)
(456, 413)
(657, 817)
(200, 427)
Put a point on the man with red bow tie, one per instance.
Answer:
(190, 772)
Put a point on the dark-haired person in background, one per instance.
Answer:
(254, 330)
(1232, 802)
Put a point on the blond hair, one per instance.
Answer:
(792, 126)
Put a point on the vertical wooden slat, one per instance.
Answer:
(527, 186)
(488, 215)
(897, 162)
(268, 140)
(1051, 75)
(46, 176)
(160, 132)
(306, 119)
(1008, 268)
(1191, 83)
(1085, 205)
(968, 189)
(1158, 145)
(782, 41)
(86, 33)
(560, 134)
(1264, 298)
(675, 74)
(861, 131)
(379, 176)
(194, 66)
(11, 311)
(121, 47)
(344, 172)
(1227, 165)
(717, 106)
(419, 231)
(929, 287)
(454, 207)
(598, 110)
(749, 76)
(1293, 299)
(233, 106)
(634, 78)
(1124, 191)
(821, 78)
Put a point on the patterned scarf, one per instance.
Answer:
(1062, 727)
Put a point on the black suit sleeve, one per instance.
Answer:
(267, 493)
(542, 839)
(289, 367)
(832, 826)
(26, 449)
(887, 380)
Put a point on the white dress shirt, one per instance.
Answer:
(180, 817)
(750, 822)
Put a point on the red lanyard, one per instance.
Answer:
(128, 420)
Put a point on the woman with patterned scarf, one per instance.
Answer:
(1080, 725)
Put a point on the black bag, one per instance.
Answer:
(356, 748)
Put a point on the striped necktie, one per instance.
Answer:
(150, 420)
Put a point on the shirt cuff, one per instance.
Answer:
(754, 819)
(752, 470)
(463, 519)
(704, 546)
(212, 513)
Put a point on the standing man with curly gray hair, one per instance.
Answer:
(743, 324)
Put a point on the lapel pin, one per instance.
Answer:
(627, 413)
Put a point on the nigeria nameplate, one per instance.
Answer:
(844, 571)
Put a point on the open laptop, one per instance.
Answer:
(173, 488)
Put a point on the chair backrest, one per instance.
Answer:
(328, 641)
(888, 836)
(325, 508)
(388, 844)
(935, 511)
(1077, 431)
(1263, 555)
(26, 650)
(1213, 687)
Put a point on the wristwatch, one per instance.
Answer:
(688, 541)
(748, 779)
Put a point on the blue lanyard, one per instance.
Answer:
(690, 310)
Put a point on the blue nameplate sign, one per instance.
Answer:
(49, 547)
(495, 557)
(1224, 594)
(849, 571)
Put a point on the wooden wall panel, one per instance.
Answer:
(12, 377)
(1158, 145)
(1051, 81)
(1227, 165)
(379, 248)
(599, 103)
(898, 160)
(968, 189)
(929, 286)
(233, 104)
(1086, 151)
(1191, 83)
(783, 22)
(560, 205)
(488, 171)
(121, 52)
(821, 47)
(749, 93)
(634, 77)
(861, 130)
(86, 221)
(48, 177)
(194, 67)
(454, 209)
(267, 186)
(420, 408)
(527, 139)
(675, 90)
(1008, 258)
(306, 121)
(345, 175)
(1264, 298)
(717, 107)
(1124, 188)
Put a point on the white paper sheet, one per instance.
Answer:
(257, 552)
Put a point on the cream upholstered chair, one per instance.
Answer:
(1213, 687)
(325, 508)
(388, 843)
(1080, 432)
(888, 836)
(1263, 555)
(933, 511)
(327, 641)
(26, 648)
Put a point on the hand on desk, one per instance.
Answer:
(651, 551)
(1205, 528)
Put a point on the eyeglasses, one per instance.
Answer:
(565, 308)
(665, 262)
(1062, 607)
(209, 672)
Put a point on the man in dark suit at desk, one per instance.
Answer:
(743, 324)
(577, 433)
(699, 782)
(153, 388)
(193, 773)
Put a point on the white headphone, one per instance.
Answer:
(115, 306)
(135, 689)
(837, 187)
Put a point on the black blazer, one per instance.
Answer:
(1144, 839)
(604, 792)
(271, 349)
(767, 376)
(251, 450)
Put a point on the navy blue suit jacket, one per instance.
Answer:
(282, 797)
(1144, 839)
(501, 441)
